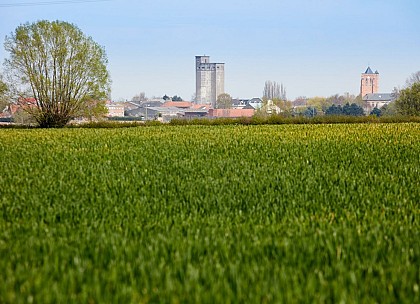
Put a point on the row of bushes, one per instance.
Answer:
(278, 119)
(256, 120)
(115, 124)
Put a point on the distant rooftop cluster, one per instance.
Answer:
(209, 85)
(165, 110)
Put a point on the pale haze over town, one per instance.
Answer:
(312, 47)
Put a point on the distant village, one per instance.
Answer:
(211, 101)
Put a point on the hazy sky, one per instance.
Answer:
(313, 47)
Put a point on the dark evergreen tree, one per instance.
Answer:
(350, 110)
(353, 110)
(334, 110)
(376, 112)
(177, 98)
(310, 112)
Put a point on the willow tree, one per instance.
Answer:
(55, 63)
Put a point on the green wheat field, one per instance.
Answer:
(211, 214)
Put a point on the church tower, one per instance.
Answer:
(369, 83)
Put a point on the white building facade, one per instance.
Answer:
(115, 110)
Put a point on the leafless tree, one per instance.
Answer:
(414, 78)
(139, 97)
(396, 93)
(193, 97)
(274, 90)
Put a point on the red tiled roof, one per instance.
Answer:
(27, 100)
(200, 107)
(177, 104)
(232, 113)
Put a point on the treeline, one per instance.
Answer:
(282, 119)
(256, 120)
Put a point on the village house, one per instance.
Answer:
(115, 109)
(377, 100)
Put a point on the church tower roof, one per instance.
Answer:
(369, 71)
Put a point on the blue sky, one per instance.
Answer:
(313, 47)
